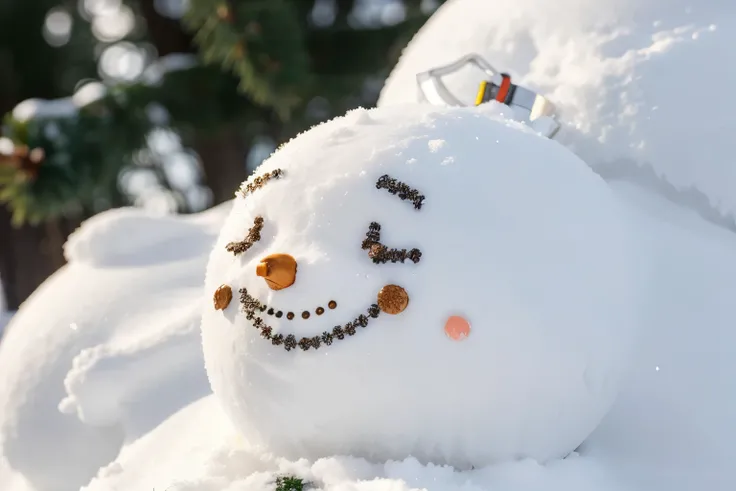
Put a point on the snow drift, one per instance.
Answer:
(89, 349)
(642, 85)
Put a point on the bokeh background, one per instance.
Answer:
(166, 104)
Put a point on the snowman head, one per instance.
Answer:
(432, 282)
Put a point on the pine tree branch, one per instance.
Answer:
(84, 154)
(260, 41)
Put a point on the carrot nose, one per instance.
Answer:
(279, 271)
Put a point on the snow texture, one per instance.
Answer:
(11, 480)
(517, 235)
(116, 237)
(114, 329)
(642, 85)
(671, 428)
(216, 459)
(4, 320)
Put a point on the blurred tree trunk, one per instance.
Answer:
(165, 33)
(27, 255)
(223, 152)
(7, 261)
(223, 157)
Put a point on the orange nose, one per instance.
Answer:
(279, 271)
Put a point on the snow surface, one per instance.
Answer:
(624, 74)
(112, 330)
(548, 291)
(4, 320)
(216, 459)
(670, 429)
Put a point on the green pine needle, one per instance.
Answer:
(289, 483)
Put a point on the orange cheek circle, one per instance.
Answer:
(457, 328)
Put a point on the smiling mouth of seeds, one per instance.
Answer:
(252, 308)
(251, 303)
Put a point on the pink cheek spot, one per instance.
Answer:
(457, 328)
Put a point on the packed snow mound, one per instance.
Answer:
(505, 233)
(88, 350)
(118, 236)
(107, 383)
(4, 320)
(672, 425)
(11, 480)
(183, 447)
(624, 74)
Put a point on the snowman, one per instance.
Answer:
(442, 283)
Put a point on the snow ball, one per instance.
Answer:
(518, 237)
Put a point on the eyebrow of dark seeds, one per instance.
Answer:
(402, 190)
(260, 181)
(254, 235)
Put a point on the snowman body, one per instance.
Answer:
(468, 216)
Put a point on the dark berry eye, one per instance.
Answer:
(380, 254)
